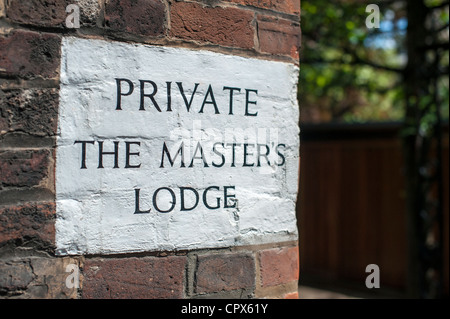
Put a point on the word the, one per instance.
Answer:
(115, 153)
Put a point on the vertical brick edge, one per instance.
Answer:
(30, 42)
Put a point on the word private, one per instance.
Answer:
(148, 90)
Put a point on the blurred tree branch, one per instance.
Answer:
(337, 56)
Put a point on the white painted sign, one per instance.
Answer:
(167, 148)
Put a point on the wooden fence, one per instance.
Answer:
(351, 209)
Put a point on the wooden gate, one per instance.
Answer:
(351, 208)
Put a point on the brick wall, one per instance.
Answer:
(30, 42)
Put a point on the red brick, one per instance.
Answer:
(279, 36)
(36, 277)
(31, 111)
(291, 295)
(48, 13)
(224, 272)
(134, 278)
(2, 8)
(142, 17)
(285, 6)
(30, 54)
(279, 266)
(30, 221)
(15, 275)
(224, 26)
(23, 168)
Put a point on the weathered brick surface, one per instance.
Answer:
(30, 55)
(90, 11)
(24, 168)
(30, 111)
(224, 272)
(285, 6)
(25, 141)
(291, 295)
(279, 266)
(29, 221)
(15, 275)
(279, 36)
(2, 8)
(36, 277)
(28, 123)
(142, 17)
(224, 26)
(130, 278)
(50, 13)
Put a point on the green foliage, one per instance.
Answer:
(350, 73)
